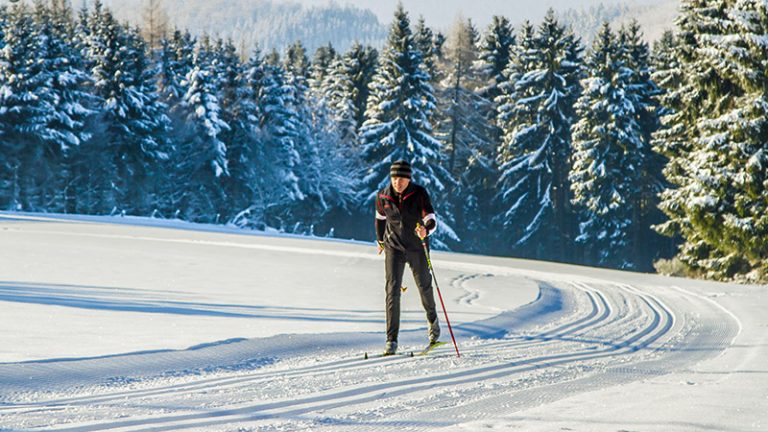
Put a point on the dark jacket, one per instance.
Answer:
(398, 214)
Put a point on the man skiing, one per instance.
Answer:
(404, 216)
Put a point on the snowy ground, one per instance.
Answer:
(134, 324)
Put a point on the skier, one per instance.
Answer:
(404, 216)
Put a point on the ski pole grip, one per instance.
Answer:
(418, 225)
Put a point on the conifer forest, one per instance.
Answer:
(532, 143)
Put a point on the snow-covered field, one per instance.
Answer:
(135, 324)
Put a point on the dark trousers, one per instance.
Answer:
(395, 266)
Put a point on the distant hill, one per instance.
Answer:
(271, 24)
(654, 19)
(278, 23)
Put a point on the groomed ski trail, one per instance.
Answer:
(608, 334)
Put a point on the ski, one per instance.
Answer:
(367, 356)
(430, 347)
(423, 352)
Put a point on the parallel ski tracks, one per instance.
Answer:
(613, 321)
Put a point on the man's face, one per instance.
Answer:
(400, 183)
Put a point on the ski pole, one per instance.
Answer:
(434, 277)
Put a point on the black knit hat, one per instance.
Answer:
(400, 168)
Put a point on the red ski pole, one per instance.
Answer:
(434, 277)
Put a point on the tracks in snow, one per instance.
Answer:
(607, 333)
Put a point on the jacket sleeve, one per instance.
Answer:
(428, 213)
(381, 222)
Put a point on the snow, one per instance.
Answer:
(135, 324)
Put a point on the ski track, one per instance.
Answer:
(604, 334)
(577, 336)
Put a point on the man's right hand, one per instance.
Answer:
(379, 247)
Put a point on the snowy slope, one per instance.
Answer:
(134, 324)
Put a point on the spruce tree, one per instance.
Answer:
(362, 63)
(468, 138)
(425, 40)
(279, 159)
(494, 56)
(175, 62)
(320, 68)
(399, 115)
(31, 145)
(296, 61)
(534, 157)
(130, 144)
(60, 61)
(644, 92)
(338, 96)
(607, 143)
(203, 159)
(715, 138)
(240, 113)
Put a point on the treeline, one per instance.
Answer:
(530, 144)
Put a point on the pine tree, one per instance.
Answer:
(425, 40)
(715, 138)
(644, 92)
(362, 62)
(175, 63)
(534, 158)
(203, 161)
(279, 159)
(320, 68)
(607, 143)
(131, 143)
(463, 128)
(60, 62)
(296, 61)
(494, 56)
(338, 96)
(399, 114)
(30, 145)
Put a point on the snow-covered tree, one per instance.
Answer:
(296, 61)
(320, 68)
(203, 160)
(493, 56)
(463, 127)
(362, 63)
(279, 160)
(715, 137)
(399, 113)
(240, 112)
(175, 62)
(131, 143)
(537, 115)
(60, 61)
(644, 92)
(607, 143)
(430, 45)
(27, 107)
(338, 96)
